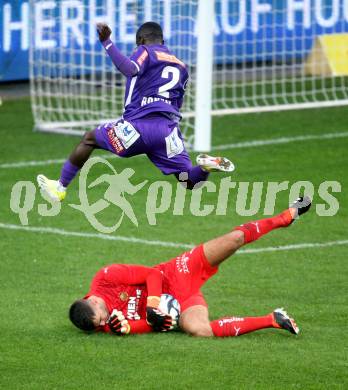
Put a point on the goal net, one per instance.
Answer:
(74, 85)
(267, 55)
(277, 55)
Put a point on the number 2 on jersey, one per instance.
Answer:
(169, 72)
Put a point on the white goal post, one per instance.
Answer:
(243, 56)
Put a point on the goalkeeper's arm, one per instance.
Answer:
(122, 63)
(153, 278)
(120, 326)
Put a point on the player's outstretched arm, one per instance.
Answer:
(122, 63)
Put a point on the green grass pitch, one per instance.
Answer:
(41, 273)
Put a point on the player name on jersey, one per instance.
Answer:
(147, 100)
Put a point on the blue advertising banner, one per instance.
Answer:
(245, 30)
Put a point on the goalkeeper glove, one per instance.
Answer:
(104, 31)
(118, 323)
(160, 322)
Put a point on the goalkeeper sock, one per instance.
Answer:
(254, 230)
(236, 326)
(69, 171)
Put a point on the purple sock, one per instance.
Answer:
(69, 171)
(196, 174)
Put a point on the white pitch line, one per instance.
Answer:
(135, 240)
(94, 235)
(283, 140)
(23, 164)
(238, 145)
(305, 245)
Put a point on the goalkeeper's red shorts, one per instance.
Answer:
(184, 276)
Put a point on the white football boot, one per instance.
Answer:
(214, 164)
(53, 188)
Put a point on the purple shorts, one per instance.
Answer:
(156, 136)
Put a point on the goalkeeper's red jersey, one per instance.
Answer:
(126, 287)
(118, 285)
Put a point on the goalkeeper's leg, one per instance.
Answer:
(195, 321)
(219, 249)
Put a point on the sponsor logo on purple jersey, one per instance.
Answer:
(159, 85)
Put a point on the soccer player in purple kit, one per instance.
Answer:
(155, 89)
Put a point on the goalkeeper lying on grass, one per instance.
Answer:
(131, 293)
(155, 88)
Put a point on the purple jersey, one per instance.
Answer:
(159, 85)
